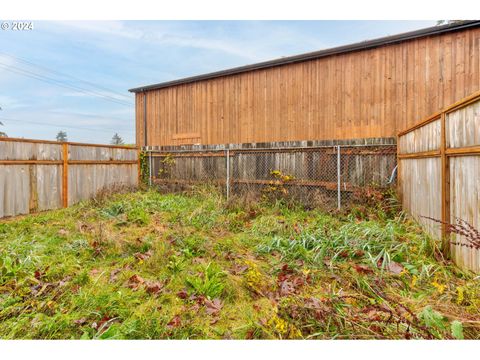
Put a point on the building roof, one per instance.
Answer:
(364, 45)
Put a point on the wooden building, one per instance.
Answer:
(372, 89)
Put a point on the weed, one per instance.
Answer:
(208, 283)
(146, 265)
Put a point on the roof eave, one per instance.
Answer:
(364, 45)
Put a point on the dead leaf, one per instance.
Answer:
(82, 227)
(143, 256)
(38, 274)
(113, 275)
(394, 267)
(135, 281)
(230, 256)
(213, 307)
(362, 269)
(94, 272)
(238, 269)
(182, 294)
(64, 281)
(175, 322)
(286, 288)
(154, 287)
(80, 321)
(297, 228)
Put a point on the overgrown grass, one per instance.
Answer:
(146, 266)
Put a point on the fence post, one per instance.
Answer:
(445, 178)
(339, 191)
(139, 166)
(228, 173)
(150, 168)
(65, 175)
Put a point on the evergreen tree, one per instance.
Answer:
(62, 136)
(2, 134)
(117, 140)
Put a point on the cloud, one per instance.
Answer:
(163, 34)
(10, 103)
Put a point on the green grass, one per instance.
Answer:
(147, 265)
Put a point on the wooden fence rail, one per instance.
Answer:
(439, 174)
(38, 175)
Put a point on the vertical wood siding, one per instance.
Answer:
(363, 94)
(31, 173)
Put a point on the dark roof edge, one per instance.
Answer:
(364, 45)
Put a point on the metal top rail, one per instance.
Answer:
(267, 149)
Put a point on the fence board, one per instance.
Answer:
(464, 204)
(426, 138)
(463, 126)
(420, 186)
(87, 180)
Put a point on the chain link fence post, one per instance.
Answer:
(228, 172)
(150, 168)
(339, 190)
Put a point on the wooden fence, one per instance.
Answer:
(38, 175)
(439, 174)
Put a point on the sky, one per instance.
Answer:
(75, 76)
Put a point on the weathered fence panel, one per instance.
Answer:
(320, 173)
(32, 174)
(439, 176)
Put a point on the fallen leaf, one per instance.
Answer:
(362, 269)
(286, 288)
(394, 267)
(213, 307)
(297, 228)
(80, 321)
(154, 287)
(135, 281)
(38, 274)
(182, 294)
(143, 256)
(113, 275)
(94, 272)
(175, 322)
(238, 269)
(64, 281)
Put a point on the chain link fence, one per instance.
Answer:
(327, 176)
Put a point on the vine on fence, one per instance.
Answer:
(144, 173)
(166, 165)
